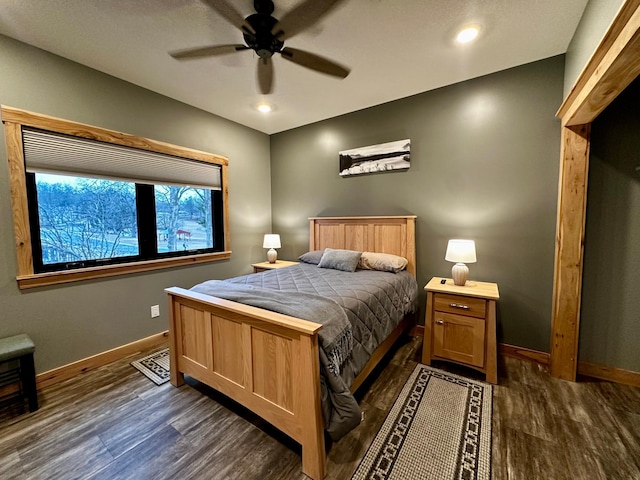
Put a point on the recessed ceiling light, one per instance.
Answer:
(468, 34)
(264, 107)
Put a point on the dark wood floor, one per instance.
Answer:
(113, 423)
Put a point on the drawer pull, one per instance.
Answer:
(439, 322)
(459, 305)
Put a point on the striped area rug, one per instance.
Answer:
(155, 366)
(438, 428)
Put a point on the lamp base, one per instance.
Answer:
(459, 273)
(272, 255)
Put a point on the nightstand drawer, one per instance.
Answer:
(458, 304)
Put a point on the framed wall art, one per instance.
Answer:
(385, 157)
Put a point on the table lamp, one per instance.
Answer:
(461, 252)
(271, 241)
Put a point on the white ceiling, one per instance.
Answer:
(395, 48)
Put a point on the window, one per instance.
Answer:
(103, 203)
(82, 221)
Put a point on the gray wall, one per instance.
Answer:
(484, 165)
(74, 321)
(595, 21)
(610, 320)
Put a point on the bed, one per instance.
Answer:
(270, 362)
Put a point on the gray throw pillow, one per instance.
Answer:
(345, 260)
(312, 257)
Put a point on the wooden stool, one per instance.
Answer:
(21, 348)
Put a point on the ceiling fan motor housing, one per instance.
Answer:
(263, 6)
(263, 42)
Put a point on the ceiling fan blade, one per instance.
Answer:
(302, 16)
(231, 14)
(207, 51)
(314, 62)
(265, 75)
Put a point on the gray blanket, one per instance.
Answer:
(335, 339)
(375, 302)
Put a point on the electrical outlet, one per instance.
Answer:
(155, 311)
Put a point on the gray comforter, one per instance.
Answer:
(372, 302)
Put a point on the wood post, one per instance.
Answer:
(176, 377)
(572, 204)
(309, 410)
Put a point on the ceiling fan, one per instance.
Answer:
(266, 35)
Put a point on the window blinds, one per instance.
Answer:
(49, 152)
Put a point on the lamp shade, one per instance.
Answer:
(461, 251)
(271, 240)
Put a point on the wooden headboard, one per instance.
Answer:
(395, 235)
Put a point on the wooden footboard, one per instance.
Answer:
(266, 361)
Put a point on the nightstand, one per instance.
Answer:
(262, 266)
(460, 325)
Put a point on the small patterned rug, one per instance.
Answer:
(438, 428)
(155, 366)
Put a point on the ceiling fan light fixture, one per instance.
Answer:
(264, 107)
(468, 34)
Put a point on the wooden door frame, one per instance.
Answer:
(612, 67)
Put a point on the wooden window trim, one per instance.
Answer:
(14, 119)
